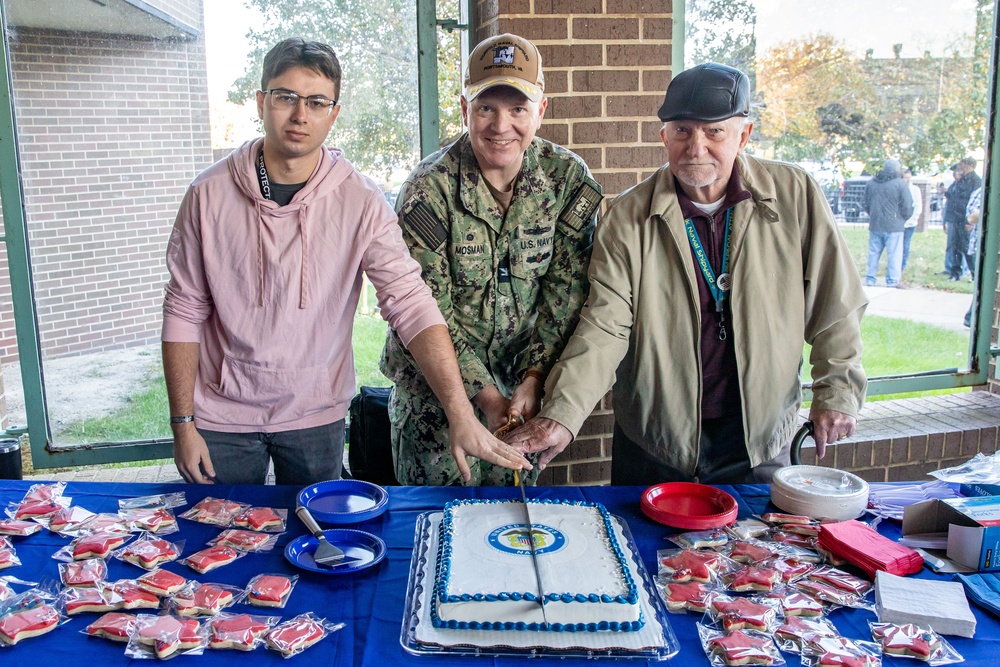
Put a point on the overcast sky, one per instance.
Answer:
(918, 25)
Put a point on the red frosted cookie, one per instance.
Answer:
(149, 553)
(167, 635)
(794, 603)
(161, 582)
(28, 623)
(826, 593)
(81, 600)
(133, 597)
(157, 520)
(239, 632)
(747, 552)
(259, 518)
(214, 510)
(799, 632)
(16, 528)
(97, 545)
(688, 595)
(37, 510)
(784, 537)
(206, 600)
(114, 625)
(69, 518)
(268, 590)
(790, 568)
(742, 614)
(750, 578)
(295, 635)
(840, 652)
(691, 566)
(244, 540)
(207, 560)
(8, 557)
(840, 579)
(83, 573)
(909, 640)
(739, 648)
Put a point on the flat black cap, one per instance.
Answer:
(709, 92)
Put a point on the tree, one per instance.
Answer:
(376, 44)
(796, 80)
(722, 31)
(823, 102)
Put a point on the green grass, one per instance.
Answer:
(369, 336)
(892, 347)
(896, 346)
(924, 265)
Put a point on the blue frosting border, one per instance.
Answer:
(443, 576)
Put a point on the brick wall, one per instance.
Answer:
(607, 65)
(111, 129)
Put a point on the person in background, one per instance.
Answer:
(957, 200)
(706, 279)
(887, 200)
(502, 225)
(266, 259)
(911, 223)
(973, 212)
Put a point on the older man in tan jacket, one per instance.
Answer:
(706, 279)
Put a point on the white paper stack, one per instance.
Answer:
(941, 605)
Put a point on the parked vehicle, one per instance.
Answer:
(830, 180)
(852, 203)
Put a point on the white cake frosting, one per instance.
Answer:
(485, 578)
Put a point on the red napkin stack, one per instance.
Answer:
(860, 545)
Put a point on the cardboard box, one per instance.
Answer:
(972, 524)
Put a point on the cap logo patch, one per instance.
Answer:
(503, 55)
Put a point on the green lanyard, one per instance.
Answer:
(720, 286)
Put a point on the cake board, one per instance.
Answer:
(654, 641)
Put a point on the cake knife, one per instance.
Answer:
(519, 480)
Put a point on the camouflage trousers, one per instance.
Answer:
(421, 448)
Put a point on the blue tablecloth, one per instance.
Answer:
(371, 602)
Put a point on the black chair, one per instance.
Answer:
(369, 455)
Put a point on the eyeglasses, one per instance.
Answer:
(317, 105)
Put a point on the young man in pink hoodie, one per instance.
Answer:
(266, 260)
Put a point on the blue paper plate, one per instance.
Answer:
(343, 501)
(366, 549)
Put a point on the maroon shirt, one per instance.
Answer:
(720, 379)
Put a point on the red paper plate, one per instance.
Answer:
(688, 505)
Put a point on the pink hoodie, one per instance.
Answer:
(270, 292)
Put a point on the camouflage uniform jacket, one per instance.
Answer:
(510, 287)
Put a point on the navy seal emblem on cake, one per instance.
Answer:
(514, 539)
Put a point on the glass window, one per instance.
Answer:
(118, 107)
(841, 89)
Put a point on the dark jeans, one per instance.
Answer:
(907, 237)
(955, 251)
(301, 457)
(722, 459)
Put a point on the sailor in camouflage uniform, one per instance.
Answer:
(502, 224)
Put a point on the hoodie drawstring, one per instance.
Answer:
(260, 255)
(303, 272)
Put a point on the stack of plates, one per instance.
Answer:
(688, 505)
(820, 493)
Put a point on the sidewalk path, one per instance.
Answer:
(943, 309)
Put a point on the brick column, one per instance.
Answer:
(607, 65)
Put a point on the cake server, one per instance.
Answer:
(326, 553)
(519, 480)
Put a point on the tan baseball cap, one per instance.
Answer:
(505, 60)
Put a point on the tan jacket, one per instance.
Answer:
(794, 280)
